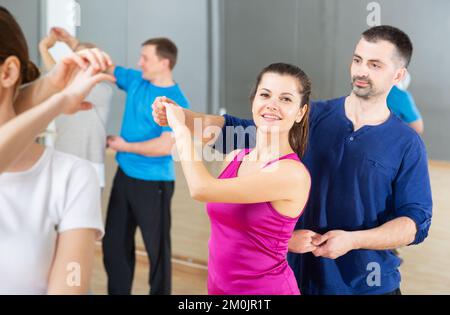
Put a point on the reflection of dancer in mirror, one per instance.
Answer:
(50, 202)
(83, 134)
(402, 103)
(258, 198)
(143, 186)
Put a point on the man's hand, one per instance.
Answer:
(301, 241)
(117, 143)
(333, 244)
(159, 110)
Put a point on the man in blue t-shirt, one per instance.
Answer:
(144, 183)
(401, 102)
(370, 189)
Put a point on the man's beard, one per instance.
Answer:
(363, 92)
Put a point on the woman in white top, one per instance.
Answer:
(49, 202)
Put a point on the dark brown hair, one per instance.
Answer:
(165, 49)
(298, 134)
(393, 35)
(13, 43)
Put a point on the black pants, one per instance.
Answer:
(146, 204)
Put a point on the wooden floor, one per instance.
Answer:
(424, 271)
(426, 266)
(187, 278)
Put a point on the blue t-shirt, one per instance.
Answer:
(360, 180)
(138, 125)
(402, 104)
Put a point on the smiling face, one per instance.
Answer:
(151, 64)
(375, 68)
(277, 103)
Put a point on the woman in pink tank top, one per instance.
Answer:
(258, 198)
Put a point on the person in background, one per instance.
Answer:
(402, 103)
(83, 134)
(144, 183)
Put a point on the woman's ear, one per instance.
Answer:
(301, 113)
(10, 72)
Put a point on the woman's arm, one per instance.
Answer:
(59, 77)
(197, 123)
(280, 181)
(35, 93)
(18, 133)
(74, 259)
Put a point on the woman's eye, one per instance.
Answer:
(356, 60)
(286, 99)
(264, 95)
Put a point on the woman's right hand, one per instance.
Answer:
(301, 241)
(66, 69)
(79, 87)
(175, 116)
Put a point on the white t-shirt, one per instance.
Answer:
(84, 133)
(59, 193)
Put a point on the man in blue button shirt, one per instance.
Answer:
(144, 183)
(370, 189)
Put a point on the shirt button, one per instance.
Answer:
(351, 138)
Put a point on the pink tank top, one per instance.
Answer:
(249, 244)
